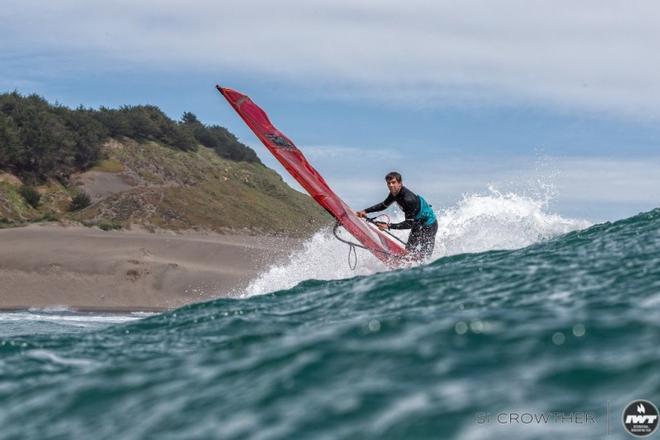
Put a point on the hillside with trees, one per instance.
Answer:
(134, 165)
(40, 141)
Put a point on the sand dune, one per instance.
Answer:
(89, 269)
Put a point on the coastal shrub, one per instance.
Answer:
(146, 123)
(9, 141)
(80, 201)
(40, 141)
(109, 226)
(219, 139)
(6, 223)
(49, 216)
(30, 195)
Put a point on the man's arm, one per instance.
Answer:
(406, 224)
(381, 206)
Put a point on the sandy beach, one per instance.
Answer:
(89, 269)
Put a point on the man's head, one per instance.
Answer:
(393, 180)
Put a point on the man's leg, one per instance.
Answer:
(413, 244)
(427, 240)
(421, 241)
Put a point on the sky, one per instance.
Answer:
(557, 100)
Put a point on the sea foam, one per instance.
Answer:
(477, 223)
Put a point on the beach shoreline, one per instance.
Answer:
(74, 268)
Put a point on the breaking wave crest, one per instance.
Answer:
(478, 223)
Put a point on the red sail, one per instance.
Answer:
(383, 247)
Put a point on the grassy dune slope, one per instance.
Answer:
(154, 186)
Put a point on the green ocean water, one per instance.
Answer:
(568, 326)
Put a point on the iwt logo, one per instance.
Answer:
(640, 418)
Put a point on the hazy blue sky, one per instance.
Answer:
(536, 97)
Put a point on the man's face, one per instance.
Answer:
(394, 186)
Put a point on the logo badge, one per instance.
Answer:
(640, 418)
(278, 140)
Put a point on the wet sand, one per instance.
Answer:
(88, 269)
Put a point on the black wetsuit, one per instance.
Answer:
(419, 218)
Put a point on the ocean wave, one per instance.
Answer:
(478, 223)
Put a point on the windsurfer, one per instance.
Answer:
(419, 217)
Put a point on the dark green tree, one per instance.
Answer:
(189, 118)
(10, 148)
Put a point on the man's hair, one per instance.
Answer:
(393, 175)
